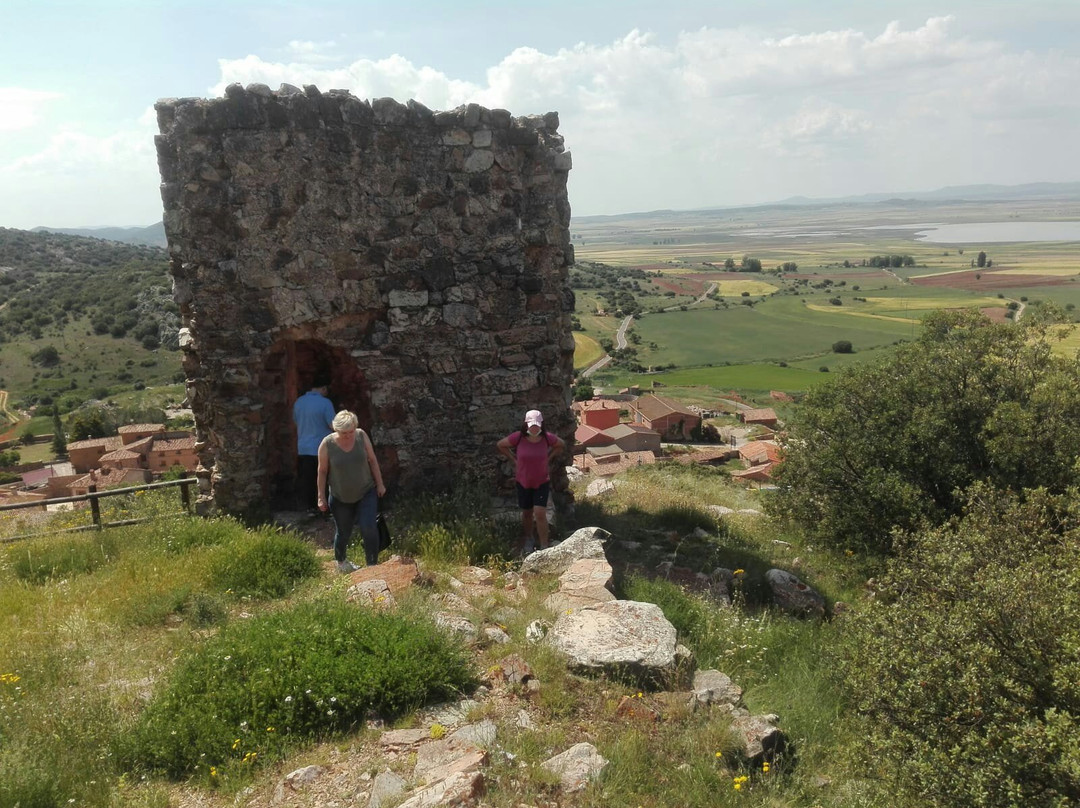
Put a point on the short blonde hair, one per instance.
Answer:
(344, 421)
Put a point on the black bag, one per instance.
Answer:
(384, 531)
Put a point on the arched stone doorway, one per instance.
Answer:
(290, 368)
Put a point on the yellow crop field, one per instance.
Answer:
(586, 350)
(931, 303)
(736, 288)
(854, 313)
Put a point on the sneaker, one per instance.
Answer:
(347, 566)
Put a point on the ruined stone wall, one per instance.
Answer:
(420, 257)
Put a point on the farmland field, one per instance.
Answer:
(793, 315)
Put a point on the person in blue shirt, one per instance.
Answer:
(314, 417)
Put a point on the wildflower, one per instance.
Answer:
(213, 771)
(639, 695)
(288, 699)
(270, 729)
(236, 744)
(739, 781)
(9, 678)
(719, 755)
(765, 767)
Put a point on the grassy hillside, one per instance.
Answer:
(173, 663)
(82, 318)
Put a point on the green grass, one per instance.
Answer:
(778, 329)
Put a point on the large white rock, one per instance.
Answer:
(588, 542)
(576, 766)
(620, 635)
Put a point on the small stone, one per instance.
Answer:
(536, 630)
(496, 635)
(303, 777)
(386, 789)
(524, 720)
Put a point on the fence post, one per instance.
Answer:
(185, 493)
(95, 508)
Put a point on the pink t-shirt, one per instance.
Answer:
(532, 462)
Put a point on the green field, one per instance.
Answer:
(797, 316)
(778, 329)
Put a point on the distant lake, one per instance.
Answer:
(986, 232)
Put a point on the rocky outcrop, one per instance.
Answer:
(588, 542)
(622, 636)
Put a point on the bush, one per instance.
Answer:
(36, 563)
(965, 664)
(263, 564)
(842, 346)
(265, 685)
(939, 415)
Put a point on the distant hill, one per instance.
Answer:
(1031, 190)
(152, 235)
(952, 193)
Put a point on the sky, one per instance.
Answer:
(680, 104)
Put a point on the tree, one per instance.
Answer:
(46, 357)
(842, 346)
(91, 422)
(583, 389)
(895, 445)
(729, 263)
(963, 666)
(981, 260)
(59, 443)
(749, 264)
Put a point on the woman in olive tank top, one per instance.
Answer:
(348, 460)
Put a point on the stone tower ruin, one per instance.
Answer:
(420, 258)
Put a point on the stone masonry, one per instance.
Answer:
(420, 258)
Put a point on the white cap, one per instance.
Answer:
(534, 418)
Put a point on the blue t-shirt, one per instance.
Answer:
(314, 417)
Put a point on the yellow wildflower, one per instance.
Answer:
(739, 572)
(236, 744)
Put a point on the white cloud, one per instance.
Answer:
(77, 179)
(712, 116)
(20, 108)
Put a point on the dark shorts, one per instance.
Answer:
(533, 497)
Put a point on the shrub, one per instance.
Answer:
(965, 664)
(937, 416)
(263, 564)
(60, 558)
(262, 686)
(842, 346)
(184, 534)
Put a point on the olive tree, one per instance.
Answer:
(963, 670)
(895, 445)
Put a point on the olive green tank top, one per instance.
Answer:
(350, 472)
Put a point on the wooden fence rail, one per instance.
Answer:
(184, 484)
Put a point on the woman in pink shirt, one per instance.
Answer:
(532, 449)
